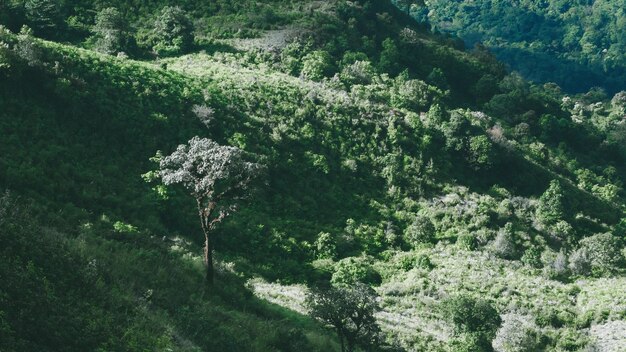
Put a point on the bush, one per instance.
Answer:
(414, 95)
(467, 241)
(325, 247)
(481, 153)
(359, 72)
(532, 257)
(557, 266)
(517, 334)
(604, 251)
(317, 65)
(27, 48)
(352, 270)
(472, 316)
(504, 246)
(580, 262)
(422, 230)
(421, 261)
(551, 208)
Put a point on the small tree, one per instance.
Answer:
(406, 5)
(217, 177)
(518, 334)
(422, 230)
(173, 32)
(604, 252)
(474, 317)
(43, 15)
(504, 245)
(551, 207)
(350, 312)
(317, 65)
(111, 32)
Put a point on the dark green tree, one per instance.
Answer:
(551, 204)
(406, 5)
(173, 32)
(475, 318)
(111, 32)
(44, 16)
(349, 311)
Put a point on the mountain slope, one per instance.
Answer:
(577, 44)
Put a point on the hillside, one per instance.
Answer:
(577, 44)
(393, 158)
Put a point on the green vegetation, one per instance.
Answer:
(577, 44)
(456, 206)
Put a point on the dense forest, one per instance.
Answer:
(578, 44)
(307, 176)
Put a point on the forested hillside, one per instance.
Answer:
(464, 208)
(577, 44)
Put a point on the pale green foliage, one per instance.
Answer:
(518, 333)
(481, 153)
(317, 65)
(580, 262)
(505, 245)
(411, 94)
(421, 230)
(556, 265)
(122, 227)
(27, 48)
(359, 72)
(352, 270)
(325, 246)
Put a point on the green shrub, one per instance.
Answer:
(467, 241)
(472, 316)
(532, 257)
(551, 208)
(517, 334)
(580, 262)
(317, 65)
(352, 270)
(505, 245)
(358, 72)
(422, 230)
(604, 251)
(325, 246)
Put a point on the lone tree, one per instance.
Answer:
(350, 312)
(217, 176)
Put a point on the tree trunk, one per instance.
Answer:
(208, 261)
(340, 335)
(350, 345)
